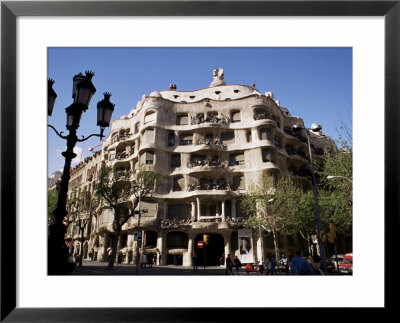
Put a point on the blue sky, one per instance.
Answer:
(313, 83)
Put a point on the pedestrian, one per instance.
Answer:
(150, 261)
(274, 265)
(194, 260)
(228, 263)
(317, 266)
(269, 265)
(284, 264)
(300, 266)
(144, 261)
(119, 258)
(90, 256)
(237, 264)
(153, 260)
(221, 260)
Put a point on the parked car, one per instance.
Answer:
(346, 266)
(332, 265)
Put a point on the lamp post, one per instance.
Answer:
(82, 93)
(298, 128)
(139, 236)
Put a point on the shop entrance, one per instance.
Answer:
(214, 249)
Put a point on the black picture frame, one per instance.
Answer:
(10, 10)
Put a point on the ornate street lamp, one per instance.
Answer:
(51, 97)
(82, 93)
(314, 128)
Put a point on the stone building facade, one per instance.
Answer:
(208, 146)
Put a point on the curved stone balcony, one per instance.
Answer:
(211, 119)
(210, 187)
(206, 163)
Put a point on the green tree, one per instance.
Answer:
(52, 198)
(279, 206)
(336, 197)
(120, 191)
(82, 205)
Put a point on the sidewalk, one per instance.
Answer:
(100, 268)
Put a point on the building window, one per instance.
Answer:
(124, 240)
(148, 158)
(149, 117)
(149, 135)
(112, 156)
(236, 159)
(150, 206)
(171, 139)
(235, 116)
(150, 239)
(114, 138)
(137, 126)
(278, 142)
(228, 138)
(182, 120)
(265, 134)
(179, 184)
(186, 139)
(177, 240)
(260, 114)
(300, 152)
(268, 156)
(179, 211)
(175, 160)
(238, 183)
(248, 136)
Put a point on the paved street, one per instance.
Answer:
(100, 268)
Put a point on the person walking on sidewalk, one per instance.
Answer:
(144, 261)
(269, 267)
(119, 258)
(228, 263)
(195, 263)
(300, 266)
(237, 263)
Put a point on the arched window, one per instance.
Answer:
(228, 138)
(186, 139)
(179, 211)
(171, 139)
(179, 184)
(235, 116)
(149, 117)
(150, 239)
(148, 136)
(278, 142)
(236, 159)
(238, 183)
(265, 134)
(177, 240)
(249, 136)
(268, 155)
(175, 160)
(182, 119)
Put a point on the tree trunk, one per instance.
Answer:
(81, 252)
(114, 248)
(276, 244)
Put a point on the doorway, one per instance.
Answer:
(213, 251)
